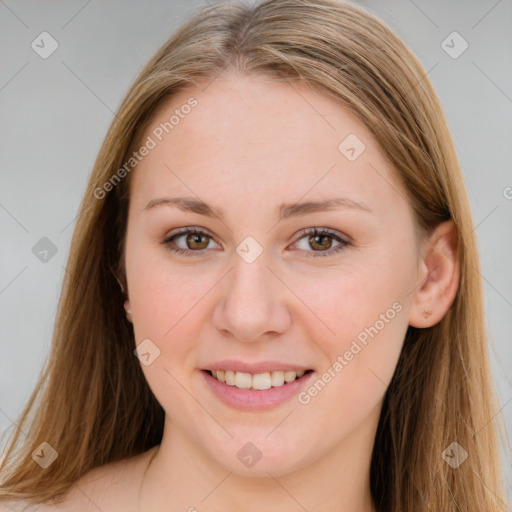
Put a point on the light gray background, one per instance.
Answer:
(55, 113)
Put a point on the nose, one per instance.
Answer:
(252, 303)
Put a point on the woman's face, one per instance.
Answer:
(256, 291)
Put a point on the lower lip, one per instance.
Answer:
(254, 400)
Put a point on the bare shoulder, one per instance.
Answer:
(109, 488)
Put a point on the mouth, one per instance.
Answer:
(259, 381)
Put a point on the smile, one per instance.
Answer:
(258, 381)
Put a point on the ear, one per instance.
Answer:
(439, 275)
(128, 310)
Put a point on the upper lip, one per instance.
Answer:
(256, 367)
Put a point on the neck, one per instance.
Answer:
(182, 476)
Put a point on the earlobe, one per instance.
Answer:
(439, 277)
(128, 310)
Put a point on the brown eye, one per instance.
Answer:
(197, 241)
(320, 242)
(189, 242)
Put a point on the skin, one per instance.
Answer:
(249, 145)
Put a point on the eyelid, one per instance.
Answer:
(176, 233)
(322, 231)
(298, 235)
(341, 238)
(188, 229)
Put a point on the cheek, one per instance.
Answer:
(370, 322)
(166, 299)
(359, 359)
(366, 309)
(349, 300)
(168, 305)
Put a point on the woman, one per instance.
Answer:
(272, 299)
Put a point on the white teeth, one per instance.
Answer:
(230, 378)
(277, 379)
(243, 380)
(259, 381)
(289, 376)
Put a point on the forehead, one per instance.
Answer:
(250, 137)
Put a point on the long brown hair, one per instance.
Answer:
(441, 391)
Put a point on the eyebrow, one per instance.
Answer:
(286, 210)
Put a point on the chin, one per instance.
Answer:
(259, 457)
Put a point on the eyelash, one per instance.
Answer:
(301, 234)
